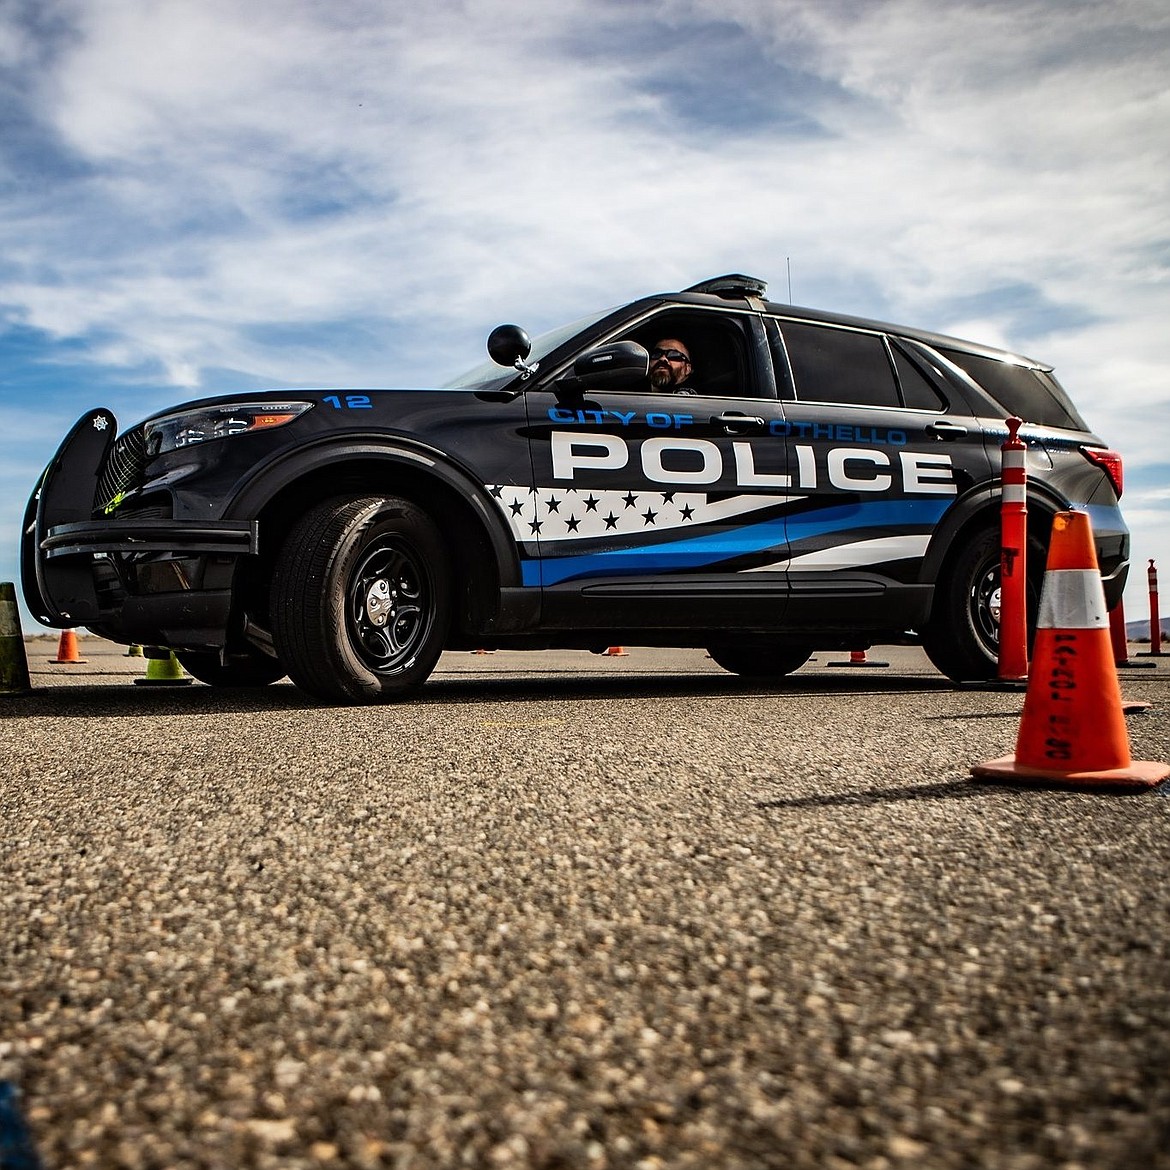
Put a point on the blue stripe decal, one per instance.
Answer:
(900, 514)
(679, 554)
(724, 545)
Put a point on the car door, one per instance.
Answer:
(879, 451)
(656, 509)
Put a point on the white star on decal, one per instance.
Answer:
(100, 422)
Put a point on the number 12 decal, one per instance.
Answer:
(349, 402)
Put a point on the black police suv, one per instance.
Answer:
(805, 481)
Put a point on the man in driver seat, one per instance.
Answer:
(670, 367)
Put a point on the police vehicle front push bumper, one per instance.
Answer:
(144, 579)
(150, 580)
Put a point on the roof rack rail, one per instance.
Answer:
(734, 284)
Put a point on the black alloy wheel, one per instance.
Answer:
(361, 599)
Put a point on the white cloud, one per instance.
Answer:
(479, 152)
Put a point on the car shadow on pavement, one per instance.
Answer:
(965, 716)
(111, 701)
(539, 688)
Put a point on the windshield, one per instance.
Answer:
(488, 376)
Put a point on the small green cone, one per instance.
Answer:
(133, 651)
(163, 670)
(13, 660)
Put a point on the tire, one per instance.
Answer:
(962, 636)
(251, 669)
(361, 600)
(763, 661)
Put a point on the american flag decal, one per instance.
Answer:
(567, 514)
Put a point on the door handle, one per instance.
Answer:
(738, 424)
(946, 430)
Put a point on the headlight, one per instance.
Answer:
(185, 428)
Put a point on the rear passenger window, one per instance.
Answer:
(839, 365)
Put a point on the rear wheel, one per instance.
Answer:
(250, 669)
(760, 661)
(361, 599)
(962, 637)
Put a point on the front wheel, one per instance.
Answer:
(361, 599)
(962, 636)
(762, 661)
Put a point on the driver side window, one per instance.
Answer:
(717, 348)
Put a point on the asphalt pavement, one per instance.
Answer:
(568, 911)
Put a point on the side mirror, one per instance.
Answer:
(617, 366)
(508, 345)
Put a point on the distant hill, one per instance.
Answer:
(1140, 630)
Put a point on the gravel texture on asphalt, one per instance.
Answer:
(564, 911)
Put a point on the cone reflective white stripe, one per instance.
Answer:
(1073, 599)
(1015, 473)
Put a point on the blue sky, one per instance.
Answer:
(198, 196)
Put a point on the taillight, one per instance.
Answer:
(1109, 462)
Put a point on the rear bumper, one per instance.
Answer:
(1112, 540)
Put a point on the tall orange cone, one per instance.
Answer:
(67, 651)
(1073, 729)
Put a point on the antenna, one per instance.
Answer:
(788, 261)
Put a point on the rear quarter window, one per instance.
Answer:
(1031, 394)
(917, 391)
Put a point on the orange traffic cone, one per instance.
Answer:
(1120, 639)
(1073, 729)
(615, 652)
(67, 651)
(858, 658)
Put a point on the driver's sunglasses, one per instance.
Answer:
(671, 355)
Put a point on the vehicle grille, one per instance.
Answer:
(122, 472)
